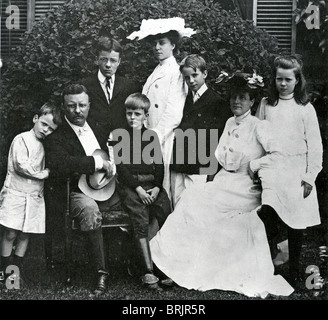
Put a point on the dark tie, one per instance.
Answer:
(108, 87)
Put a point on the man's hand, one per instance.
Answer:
(107, 166)
(144, 196)
(153, 192)
(307, 189)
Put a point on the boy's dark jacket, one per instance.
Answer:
(106, 117)
(209, 112)
(125, 172)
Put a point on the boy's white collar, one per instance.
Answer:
(201, 90)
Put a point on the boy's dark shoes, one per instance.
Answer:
(150, 281)
(101, 283)
(168, 282)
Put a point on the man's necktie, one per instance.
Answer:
(108, 88)
(82, 130)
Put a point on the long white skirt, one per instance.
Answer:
(215, 240)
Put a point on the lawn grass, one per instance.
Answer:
(49, 284)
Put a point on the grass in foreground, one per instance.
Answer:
(44, 284)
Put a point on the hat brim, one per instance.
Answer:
(102, 194)
(152, 27)
(139, 35)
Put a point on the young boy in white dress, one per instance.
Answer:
(22, 207)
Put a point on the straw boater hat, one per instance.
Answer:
(152, 27)
(97, 186)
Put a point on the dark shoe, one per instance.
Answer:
(102, 283)
(168, 282)
(150, 281)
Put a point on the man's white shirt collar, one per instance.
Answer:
(77, 129)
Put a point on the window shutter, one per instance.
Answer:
(42, 7)
(276, 17)
(10, 37)
(30, 11)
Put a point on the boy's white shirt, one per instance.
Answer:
(102, 80)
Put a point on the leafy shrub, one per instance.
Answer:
(59, 49)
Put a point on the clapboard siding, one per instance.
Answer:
(276, 17)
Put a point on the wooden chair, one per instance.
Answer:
(111, 219)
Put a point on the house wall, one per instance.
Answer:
(274, 16)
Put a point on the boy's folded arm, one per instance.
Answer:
(22, 163)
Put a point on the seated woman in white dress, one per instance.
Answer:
(214, 239)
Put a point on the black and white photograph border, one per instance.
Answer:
(294, 24)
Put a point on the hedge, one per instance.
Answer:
(59, 50)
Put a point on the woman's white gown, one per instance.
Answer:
(214, 238)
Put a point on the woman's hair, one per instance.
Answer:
(193, 61)
(172, 35)
(49, 108)
(300, 92)
(242, 89)
(137, 101)
(240, 83)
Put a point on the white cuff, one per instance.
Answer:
(113, 166)
(98, 163)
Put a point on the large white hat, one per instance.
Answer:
(97, 186)
(152, 27)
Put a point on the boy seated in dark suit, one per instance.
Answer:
(203, 109)
(140, 184)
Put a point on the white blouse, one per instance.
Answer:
(245, 138)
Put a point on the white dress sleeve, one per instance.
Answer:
(314, 144)
(23, 161)
(269, 144)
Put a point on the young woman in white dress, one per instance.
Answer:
(289, 193)
(214, 238)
